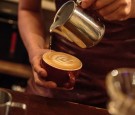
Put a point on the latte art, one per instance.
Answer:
(62, 60)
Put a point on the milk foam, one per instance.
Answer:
(62, 60)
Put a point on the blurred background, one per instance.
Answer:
(15, 68)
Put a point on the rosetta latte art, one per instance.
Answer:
(62, 60)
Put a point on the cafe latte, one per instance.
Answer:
(62, 61)
(62, 68)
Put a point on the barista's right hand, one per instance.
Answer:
(38, 72)
(112, 10)
(87, 3)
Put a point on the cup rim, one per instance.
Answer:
(9, 97)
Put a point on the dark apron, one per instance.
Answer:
(116, 50)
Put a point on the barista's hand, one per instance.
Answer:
(38, 72)
(112, 9)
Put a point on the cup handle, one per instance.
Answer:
(71, 78)
(70, 84)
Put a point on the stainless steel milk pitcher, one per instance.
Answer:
(73, 24)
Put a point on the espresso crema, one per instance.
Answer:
(62, 61)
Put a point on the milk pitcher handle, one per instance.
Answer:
(78, 2)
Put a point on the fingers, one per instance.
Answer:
(40, 71)
(97, 4)
(106, 10)
(40, 74)
(87, 3)
(121, 15)
(102, 3)
(118, 10)
(42, 82)
(36, 65)
(110, 9)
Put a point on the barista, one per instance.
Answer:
(115, 50)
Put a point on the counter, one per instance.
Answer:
(37, 105)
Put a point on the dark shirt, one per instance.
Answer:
(116, 50)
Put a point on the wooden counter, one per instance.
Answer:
(37, 105)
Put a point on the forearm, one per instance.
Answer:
(31, 30)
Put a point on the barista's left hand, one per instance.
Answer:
(112, 9)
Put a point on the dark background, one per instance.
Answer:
(12, 50)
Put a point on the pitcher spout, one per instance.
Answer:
(56, 28)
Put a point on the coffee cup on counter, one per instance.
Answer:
(62, 68)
